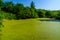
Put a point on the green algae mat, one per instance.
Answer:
(30, 29)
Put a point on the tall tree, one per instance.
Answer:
(32, 5)
(33, 13)
(0, 4)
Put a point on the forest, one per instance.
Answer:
(9, 10)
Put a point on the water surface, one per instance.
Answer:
(49, 29)
(31, 30)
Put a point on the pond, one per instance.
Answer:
(49, 29)
(31, 30)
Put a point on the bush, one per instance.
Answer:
(5, 15)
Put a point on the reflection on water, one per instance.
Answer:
(51, 20)
(49, 30)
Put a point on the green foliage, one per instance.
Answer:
(1, 3)
(18, 10)
(32, 5)
(8, 7)
(41, 13)
(54, 14)
(58, 16)
(48, 14)
(4, 15)
(9, 10)
(33, 13)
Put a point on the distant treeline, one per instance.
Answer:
(9, 10)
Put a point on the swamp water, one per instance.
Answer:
(31, 30)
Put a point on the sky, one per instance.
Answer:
(40, 4)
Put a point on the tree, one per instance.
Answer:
(0, 4)
(18, 9)
(48, 14)
(8, 7)
(26, 14)
(32, 9)
(54, 14)
(32, 5)
(33, 13)
(58, 16)
(41, 13)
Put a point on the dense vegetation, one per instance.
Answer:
(9, 10)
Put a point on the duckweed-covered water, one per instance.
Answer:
(31, 30)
